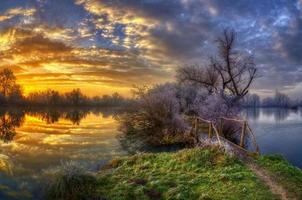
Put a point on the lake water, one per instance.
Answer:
(278, 131)
(36, 142)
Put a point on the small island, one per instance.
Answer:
(150, 100)
(199, 112)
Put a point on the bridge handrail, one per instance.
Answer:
(233, 119)
(207, 121)
(254, 138)
(245, 128)
(217, 134)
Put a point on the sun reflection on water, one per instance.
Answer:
(41, 141)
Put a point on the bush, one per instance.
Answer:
(159, 113)
(156, 115)
(71, 182)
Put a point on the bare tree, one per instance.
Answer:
(197, 75)
(230, 70)
(236, 71)
(7, 81)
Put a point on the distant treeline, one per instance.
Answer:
(74, 98)
(11, 93)
(278, 100)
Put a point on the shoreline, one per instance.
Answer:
(196, 173)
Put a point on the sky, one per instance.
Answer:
(106, 46)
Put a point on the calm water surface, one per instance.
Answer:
(34, 143)
(278, 131)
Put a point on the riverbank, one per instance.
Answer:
(198, 173)
(284, 174)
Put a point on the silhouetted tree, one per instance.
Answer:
(9, 89)
(251, 100)
(279, 100)
(75, 97)
(282, 100)
(15, 95)
(7, 81)
(230, 71)
(53, 97)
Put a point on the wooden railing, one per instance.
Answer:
(211, 130)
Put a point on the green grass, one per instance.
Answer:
(288, 176)
(188, 174)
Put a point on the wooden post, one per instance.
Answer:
(243, 134)
(196, 127)
(254, 139)
(210, 129)
(217, 134)
(221, 126)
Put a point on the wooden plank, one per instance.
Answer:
(198, 122)
(232, 119)
(234, 145)
(207, 121)
(217, 135)
(254, 138)
(221, 126)
(195, 126)
(243, 134)
(210, 130)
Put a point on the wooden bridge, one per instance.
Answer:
(202, 126)
(209, 128)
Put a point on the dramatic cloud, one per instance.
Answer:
(11, 13)
(104, 46)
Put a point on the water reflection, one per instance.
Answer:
(278, 114)
(134, 144)
(9, 119)
(12, 118)
(278, 131)
(252, 113)
(271, 114)
(34, 141)
(54, 115)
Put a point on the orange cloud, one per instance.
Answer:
(59, 57)
(40, 63)
(13, 12)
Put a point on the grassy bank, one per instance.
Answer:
(195, 174)
(285, 174)
(188, 174)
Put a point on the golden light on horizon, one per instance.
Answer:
(88, 89)
(93, 57)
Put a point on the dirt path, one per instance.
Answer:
(260, 172)
(268, 180)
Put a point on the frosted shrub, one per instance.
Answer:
(212, 107)
(157, 115)
(159, 112)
